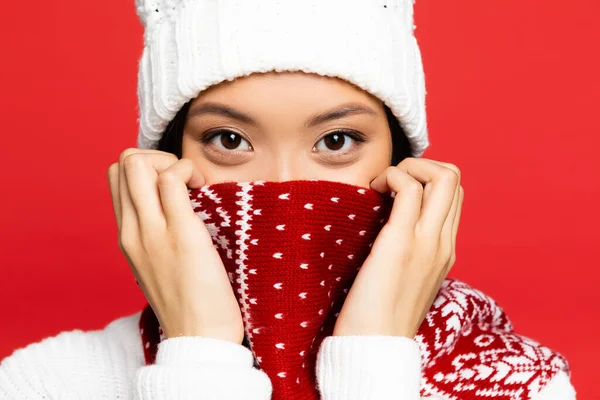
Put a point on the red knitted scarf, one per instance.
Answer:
(292, 250)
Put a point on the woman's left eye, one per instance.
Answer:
(339, 141)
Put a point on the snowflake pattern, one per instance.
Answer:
(292, 250)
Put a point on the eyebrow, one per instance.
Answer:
(342, 111)
(338, 112)
(220, 109)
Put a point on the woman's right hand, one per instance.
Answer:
(168, 247)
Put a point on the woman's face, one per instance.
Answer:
(287, 126)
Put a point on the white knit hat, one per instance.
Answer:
(190, 45)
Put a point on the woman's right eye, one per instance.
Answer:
(226, 140)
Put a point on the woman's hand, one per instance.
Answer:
(169, 248)
(412, 254)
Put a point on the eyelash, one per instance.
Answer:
(359, 137)
(354, 135)
(207, 138)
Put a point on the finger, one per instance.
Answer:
(447, 229)
(454, 218)
(128, 214)
(143, 169)
(461, 194)
(137, 172)
(173, 188)
(446, 237)
(438, 193)
(113, 183)
(407, 202)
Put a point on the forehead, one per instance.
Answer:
(290, 88)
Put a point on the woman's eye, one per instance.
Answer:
(336, 142)
(228, 140)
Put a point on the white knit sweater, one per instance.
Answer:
(109, 364)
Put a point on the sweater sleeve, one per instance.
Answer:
(109, 364)
(559, 388)
(192, 367)
(369, 367)
(389, 367)
(73, 364)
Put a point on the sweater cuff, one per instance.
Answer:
(369, 367)
(192, 367)
(197, 351)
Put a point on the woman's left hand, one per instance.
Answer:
(411, 255)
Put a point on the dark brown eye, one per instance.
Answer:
(338, 142)
(230, 140)
(335, 141)
(227, 140)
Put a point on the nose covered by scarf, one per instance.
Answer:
(292, 250)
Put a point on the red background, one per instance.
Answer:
(512, 97)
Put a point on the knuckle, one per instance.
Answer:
(133, 160)
(171, 156)
(409, 185)
(407, 160)
(447, 251)
(454, 168)
(167, 178)
(120, 244)
(112, 175)
(186, 162)
(112, 170)
(182, 159)
(414, 188)
(450, 176)
(390, 170)
(126, 243)
(126, 153)
(452, 260)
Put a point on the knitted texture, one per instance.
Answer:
(292, 250)
(190, 45)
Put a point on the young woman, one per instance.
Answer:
(242, 91)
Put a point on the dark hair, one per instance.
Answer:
(171, 140)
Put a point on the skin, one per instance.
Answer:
(283, 148)
(159, 232)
